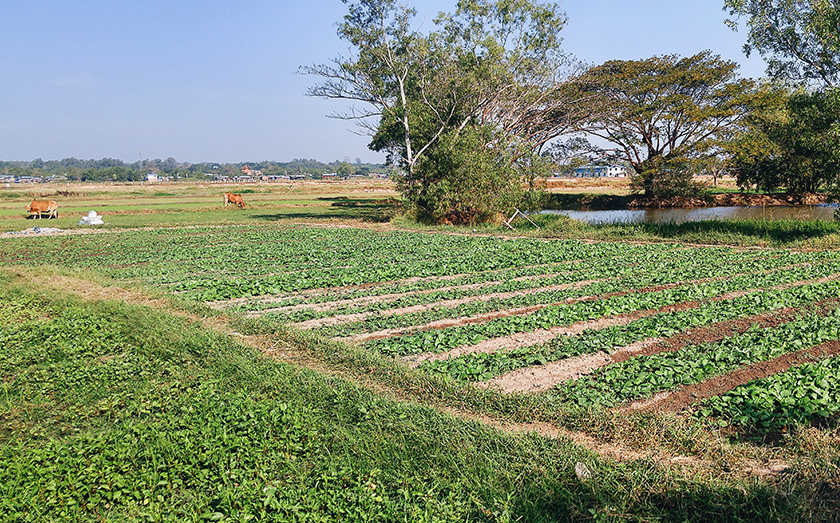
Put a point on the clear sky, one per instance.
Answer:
(216, 80)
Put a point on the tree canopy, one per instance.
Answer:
(799, 39)
(663, 113)
(792, 145)
(464, 107)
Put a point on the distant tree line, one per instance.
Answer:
(110, 169)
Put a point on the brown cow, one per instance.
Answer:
(37, 207)
(235, 199)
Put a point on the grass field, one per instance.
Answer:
(304, 359)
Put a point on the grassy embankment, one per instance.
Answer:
(123, 412)
(356, 202)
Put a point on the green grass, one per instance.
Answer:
(113, 412)
(745, 233)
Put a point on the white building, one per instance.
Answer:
(600, 171)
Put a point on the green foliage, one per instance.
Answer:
(462, 180)
(125, 413)
(805, 394)
(794, 145)
(798, 39)
(463, 109)
(476, 367)
(118, 413)
(641, 377)
(664, 113)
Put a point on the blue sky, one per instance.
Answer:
(217, 80)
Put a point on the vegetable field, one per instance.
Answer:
(748, 337)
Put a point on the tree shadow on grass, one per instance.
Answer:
(364, 209)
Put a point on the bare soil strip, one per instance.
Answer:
(545, 377)
(346, 318)
(385, 298)
(323, 291)
(526, 339)
(690, 394)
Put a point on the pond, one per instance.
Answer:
(771, 212)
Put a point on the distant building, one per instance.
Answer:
(600, 171)
(152, 177)
(247, 171)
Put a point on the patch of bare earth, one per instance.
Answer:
(347, 289)
(690, 394)
(544, 377)
(346, 318)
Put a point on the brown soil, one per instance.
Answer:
(690, 394)
(544, 377)
(346, 318)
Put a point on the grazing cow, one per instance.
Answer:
(38, 207)
(235, 199)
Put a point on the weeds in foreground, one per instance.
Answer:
(119, 412)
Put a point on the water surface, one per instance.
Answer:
(824, 211)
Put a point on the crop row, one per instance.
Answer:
(677, 276)
(441, 340)
(642, 376)
(511, 278)
(801, 395)
(228, 262)
(607, 277)
(484, 366)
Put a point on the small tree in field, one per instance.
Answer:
(467, 181)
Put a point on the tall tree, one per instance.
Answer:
(492, 71)
(792, 145)
(799, 39)
(390, 62)
(663, 113)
